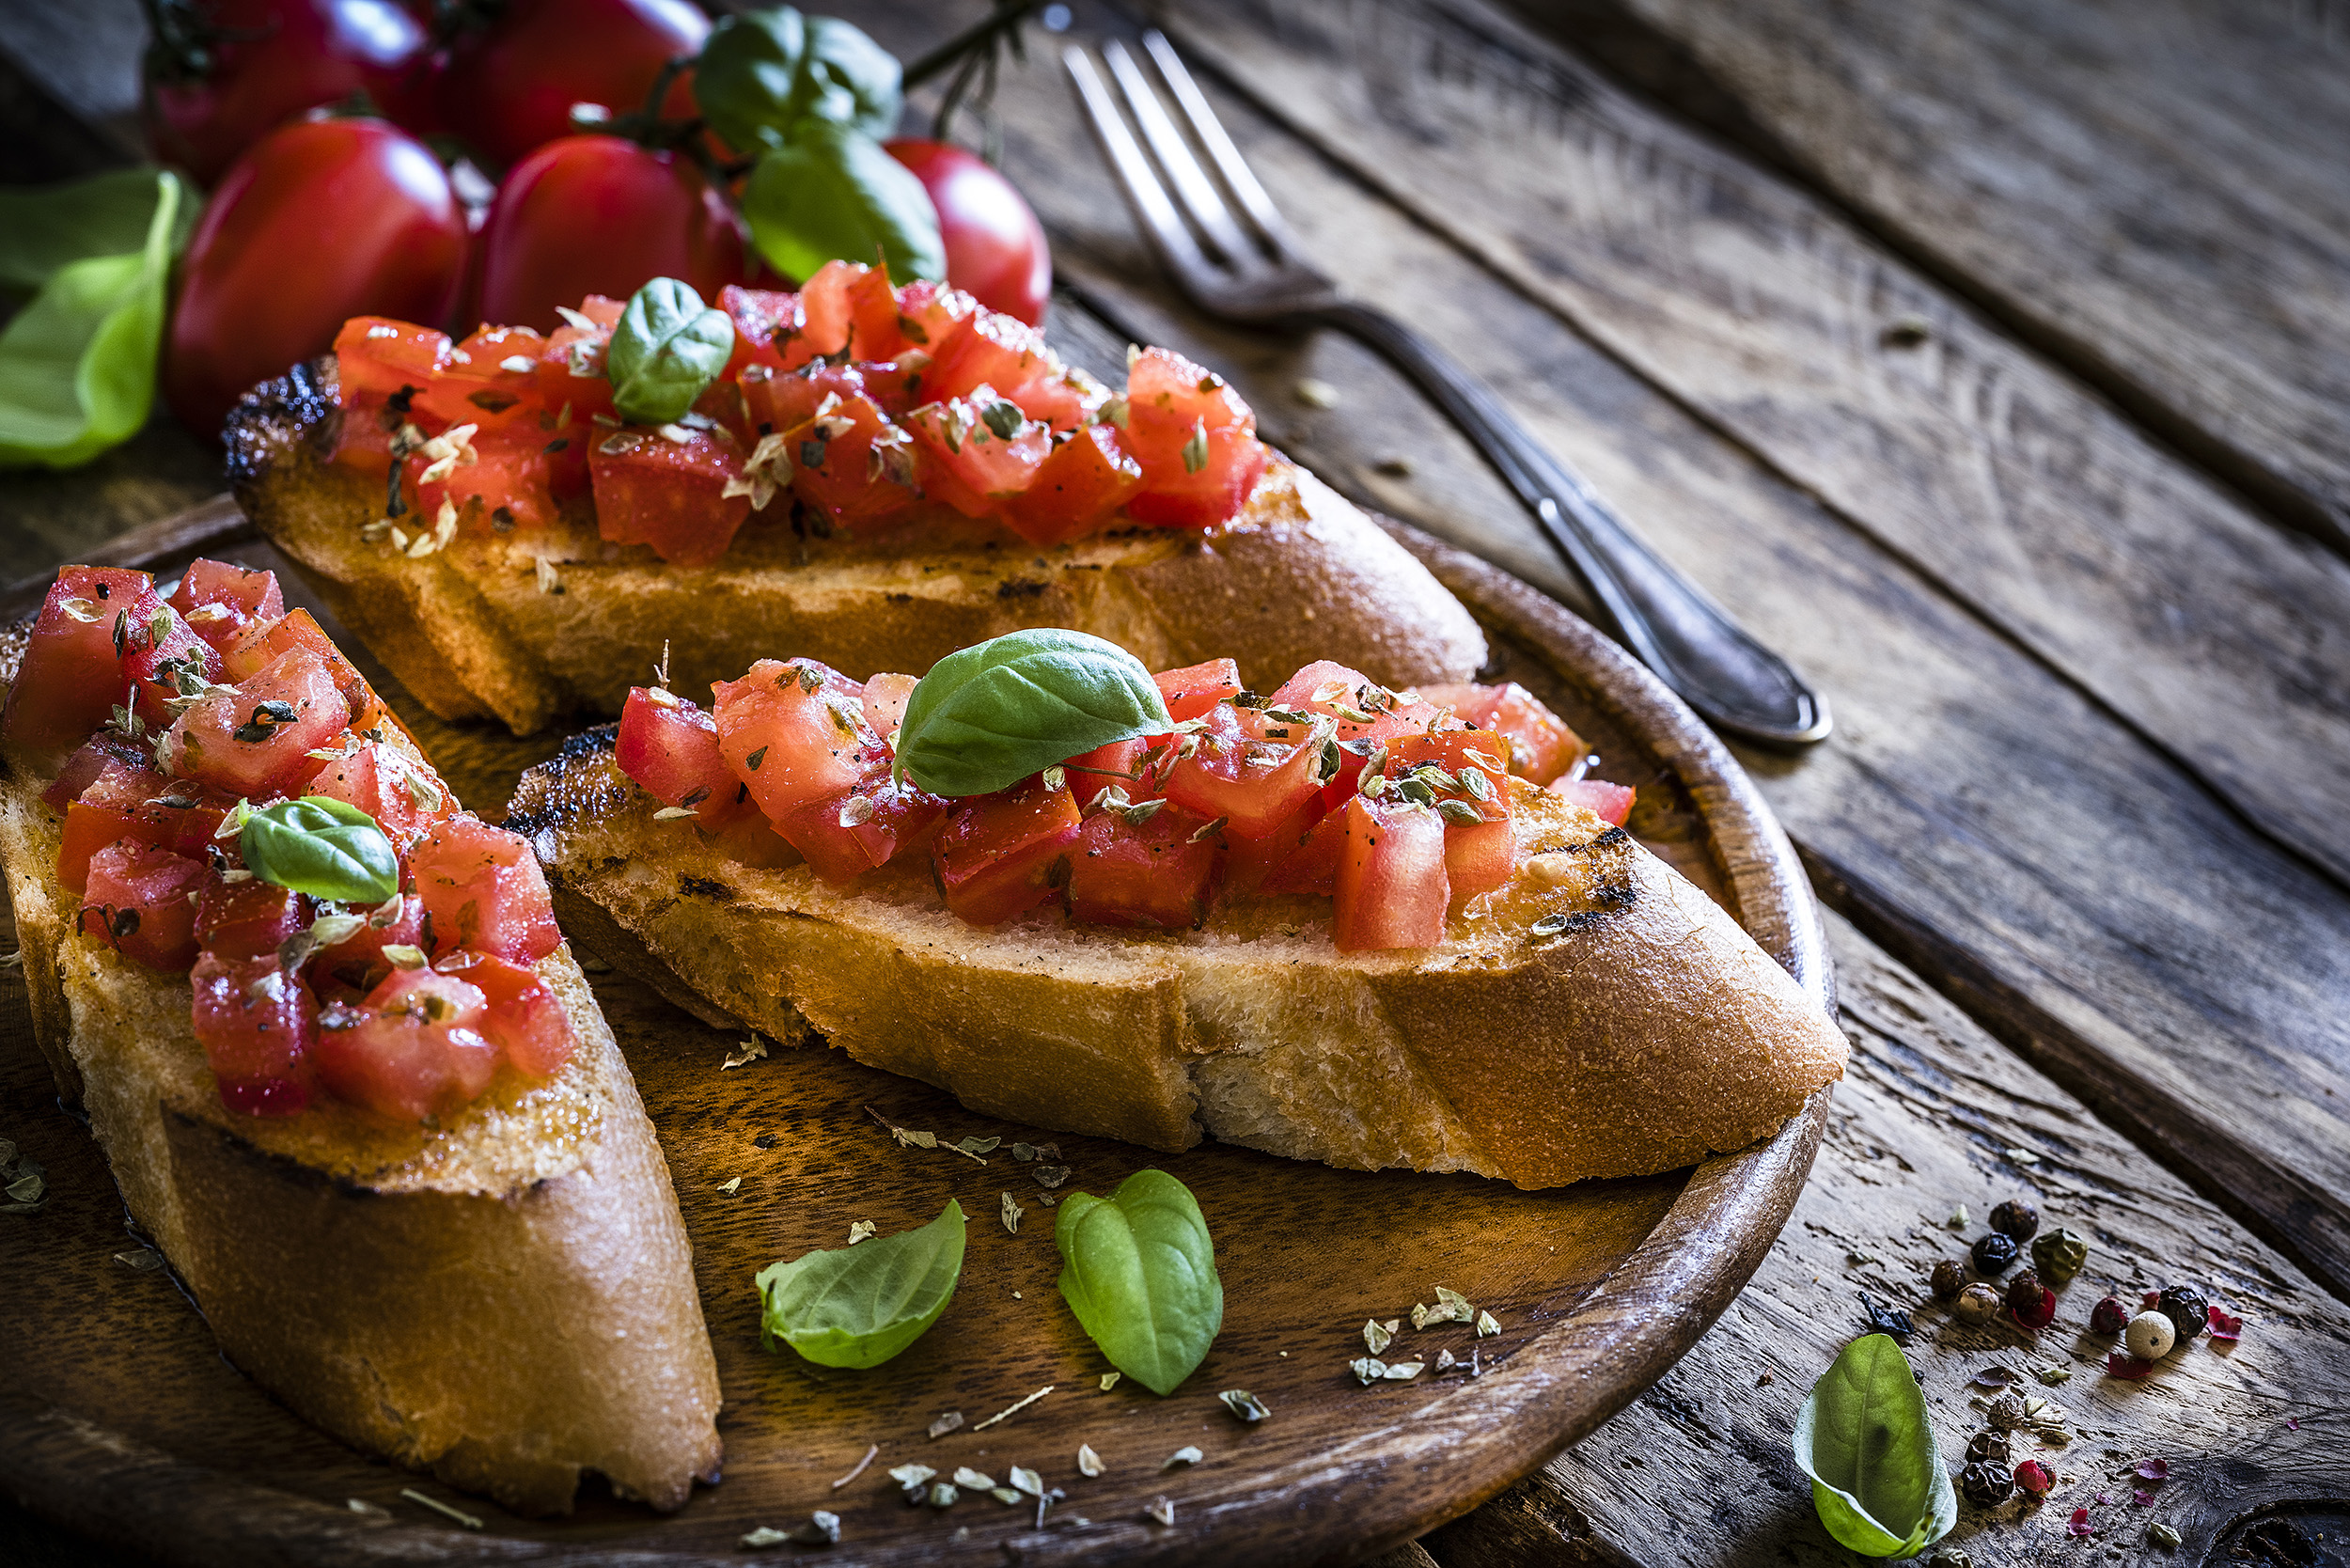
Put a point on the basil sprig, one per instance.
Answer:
(859, 1305)
(326, 848)
(994, 713)
(1140, 1275)
(761, 72)
(1865, 1439)
(666, 349)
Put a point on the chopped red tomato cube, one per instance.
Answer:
(483, 890)
(1255, 785)
(266, 645)
(404, 797)
(254, 740)
(490, 380)
(67, 681)
(524, 1017)
(248, 919)
(1001, 855)
(257, 1026)
(667, 494)
(670, 746)
(828, 306)
(1125, 764)
(846, 460)
(358, 964)
(223, 601)
(140, 900)
(1159, 874)
(1195, 440)
(508, 483)
(1009, 355)
(381, 367)
(1596, 795)
(82, 769)
(1312, 865)
(1077, 489)
(574, 389)
(1480, 851)
(1391, 889)
(931, 315)
(984, 443)
(1541, 746)
(886, 697)
(1362, 708)
(763, 316)
(132, 801)
(164, 659)
(794, 733)
(1190, 692)
(845, 835)
(413, 1049)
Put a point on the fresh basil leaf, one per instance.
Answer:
(1865, 1439)
(1141, 1277)
(832, 194)
(326, 848)
(77, 363)
(763, 72)
(994, 713)
(668, 348)
(859, 1305)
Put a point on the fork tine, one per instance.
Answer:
(1193, 187)
(1161, 224)
(1209, 131)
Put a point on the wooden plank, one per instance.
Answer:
(2049, 514)
(1698, 1471)
(2150, 190)
(2167, 959)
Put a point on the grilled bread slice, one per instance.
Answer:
(1636, 1030)
(505, 1299)
(480, 629)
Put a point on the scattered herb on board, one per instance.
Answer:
(751, 1050)
(1246, 1408)
(24, 1184)
(1013, 1408)
(986, 717)
(858, 1307)
(1141, 1275)
(1865, 1439)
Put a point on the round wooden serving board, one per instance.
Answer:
(119, 1418)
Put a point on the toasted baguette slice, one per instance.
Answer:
(507, 1301)
(1649, 1033)
(478, 630)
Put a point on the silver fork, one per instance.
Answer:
(1239, 260)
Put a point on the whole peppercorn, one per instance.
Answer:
(1986, 1484)
(2023, 1294)
(1949, 1277)
(1991, 1254)
(2005, 1412)
(2110, 1316)
(2150, 1335)
(1976, 1304)
(2032, 1479)
(1987, 1444)
(2015, 1220)
(2058, 1256)
(2186, 1309)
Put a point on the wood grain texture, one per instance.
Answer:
(163, 1449)
(1979, 809)
(1698, 1471)
(2152, 192)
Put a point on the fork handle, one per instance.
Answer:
(1664, 620)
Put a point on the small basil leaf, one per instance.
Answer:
(1865, 1439)
(832, 194)
(1141, 1277)
(859, 1305)
(326, 848)
(763, 72)
(993, 714)
(77, 363)
(668, 348)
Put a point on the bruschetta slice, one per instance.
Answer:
(348, 1076)
(877, 477)
(1338, 922)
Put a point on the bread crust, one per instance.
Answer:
(506, 1300)
(1300, 575)
(1649, 1033)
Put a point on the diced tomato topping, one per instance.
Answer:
(404, 797)
(257, 1027)
(1160, 875)
(266, 645)
(413, 1049)
(164, 659)
(828, 302)
(1195, 440)
(932, 316)
(1479, 853)
(140, 900)
(1191, 691)
(130, 802)
(509, 483)
(1391, 889)
(845, 835)
(794, 733)
(1312, 865)
(82, 769)
(1078, 486)
(381, 367)
(574, 389)
(1611, 801)
(1007, 354)
(1361, 708)
(523, 1018)
(1255, 785)
(68, 679)
(489, 381)
(886, 697)
(1122, 764)
(985, 442)
(254, 740)
(358, 964)
(483, 890)
(1001, 855)
(670, 495)
(1541, 746)
(846, 460)
(670, 746)
(248, 919)
(760, 317)
(223, 601)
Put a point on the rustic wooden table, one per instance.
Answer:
(1991, 360)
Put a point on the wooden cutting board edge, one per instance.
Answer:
(1618, 1340)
